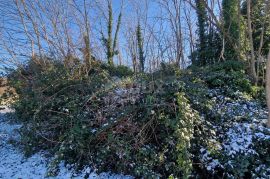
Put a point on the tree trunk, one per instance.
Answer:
(87, 55)
(252, 61)
(268, 87)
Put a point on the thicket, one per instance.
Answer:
(147, 126)
(123, 127)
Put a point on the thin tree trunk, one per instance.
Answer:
(88, 55)
(239, 27)
(252, 62)
(268, 87)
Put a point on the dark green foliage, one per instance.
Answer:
(230, 75)
(213, 102)
(167, 69)
(149, 127)
(209, 42)
(238, 80)
(230, 65)
(258, 92)
(231, 26)
(132, 137)
(202, 28)
(260, 20)
(119, 71)
(140, 48)
(86, 121)
(44, 94)
(214, 46)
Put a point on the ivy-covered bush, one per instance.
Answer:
(138, 133)
(229, 75)
(233, 81)
(47, 93)
(139, 127)
(234, 145)
(169, 124)
(167, 69)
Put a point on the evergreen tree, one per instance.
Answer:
(202, 30)
(214, 46)
(209, 42)
(231, 27)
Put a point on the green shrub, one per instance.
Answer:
(87, 121)
(169, 69)
(119, 71)
(146, 127)
(140, 138)
(44, 93)
(229, 65)
(233, 81)
(258, 92)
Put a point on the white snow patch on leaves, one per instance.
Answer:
(239, 140)
(239, 131)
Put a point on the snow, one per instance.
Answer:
(239, 139)
(242, 124)
(213, 164)
(13, 164)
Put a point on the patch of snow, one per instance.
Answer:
(241, 124)
(239, 140)
(209, 162)
(13, 164)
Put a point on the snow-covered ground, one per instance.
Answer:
(13, 164)
(240, 136)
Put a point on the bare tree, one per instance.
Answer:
(130, 35)
(173, 9)
(59, 29)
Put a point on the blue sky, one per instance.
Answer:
(22, 46)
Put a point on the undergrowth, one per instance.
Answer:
(150, 126)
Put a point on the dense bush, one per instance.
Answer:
(134, 132)
(119, 71)
(155, 125)
(228, 75)
(45, 93)
(233, 147)
(229, 65)
(125, 127)
(234, 80)
(167, 69)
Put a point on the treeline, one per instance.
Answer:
(141, 34)
(242, 33)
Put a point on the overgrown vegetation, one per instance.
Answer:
(151, 126)
(168, 118)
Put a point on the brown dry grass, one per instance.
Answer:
(3, 88)
(3, 85)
